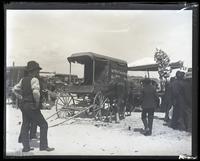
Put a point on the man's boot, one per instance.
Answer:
(145, 124)
(27, 149)
(47, 149)
(148, 132)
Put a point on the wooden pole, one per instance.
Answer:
(70, 73)
(93, 70)
(91, 106)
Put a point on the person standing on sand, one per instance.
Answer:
(149, 99)
(29, 87)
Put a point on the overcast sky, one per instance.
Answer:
(50, 36)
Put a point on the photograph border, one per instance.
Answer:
(118, 6)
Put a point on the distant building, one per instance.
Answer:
(65, 78)
(14, 74)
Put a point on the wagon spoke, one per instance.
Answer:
(102, 107)
(64, 99)
(59, 104)
(70, 100)
(61, 100)
(62, 103)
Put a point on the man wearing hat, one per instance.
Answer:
(186, 103)
(33, 126)
(30, 90)
(149, 101)
(177, 84)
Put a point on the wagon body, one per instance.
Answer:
(99, 72)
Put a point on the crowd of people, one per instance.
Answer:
(177, 102)
(177, 98)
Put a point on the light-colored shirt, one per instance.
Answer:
(35, 86)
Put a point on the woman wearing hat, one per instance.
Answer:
(30, 89)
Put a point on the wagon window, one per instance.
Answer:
(77, 69)
(87, 62)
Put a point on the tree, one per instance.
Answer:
(163, 61)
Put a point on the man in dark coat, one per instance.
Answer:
(185, 119)
(176, 122)
(168, 98)
(30, 89)
(188, 101)
(149, 100)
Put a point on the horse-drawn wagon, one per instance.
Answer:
(103, 88)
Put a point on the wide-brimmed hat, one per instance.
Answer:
(32, 65)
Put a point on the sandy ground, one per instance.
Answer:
(83, 136)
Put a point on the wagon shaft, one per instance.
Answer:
(72, 108)
(69, 118)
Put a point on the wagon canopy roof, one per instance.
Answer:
(80, 58)
(154, 67)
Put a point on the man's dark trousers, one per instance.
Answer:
(33, 130)
(149, 123)
(33, 127)
(31, 115)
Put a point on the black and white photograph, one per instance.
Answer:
(92, 82)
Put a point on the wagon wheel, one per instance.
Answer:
(102, 107)
(63, 103)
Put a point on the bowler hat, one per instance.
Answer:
(33, 65)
